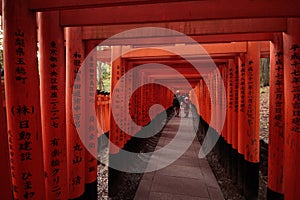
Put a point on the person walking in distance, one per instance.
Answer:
(176, 105)
(186, 104)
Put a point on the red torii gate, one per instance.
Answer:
(21, 70)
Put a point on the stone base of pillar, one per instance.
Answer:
(272, 195)
(251, 183)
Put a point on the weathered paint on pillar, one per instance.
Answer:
(252, 102)
(75, 147)
(115, 135)
(23, 100)
(91, 141)
(230, 98)
(242, 104)
(5, 175)
(225, 80)
(127, 99)
(53, 81)
(276, 117)
(224, 101)
(90, 120)
(291, 43)
(252, 121)
(235, 104)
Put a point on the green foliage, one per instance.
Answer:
(103, 76)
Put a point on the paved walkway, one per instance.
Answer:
(188, 178)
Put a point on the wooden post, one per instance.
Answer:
(231, 116)
(276, 120)
(225, 129)
(252, 121)
(291, 43)
(230, 101)
(23, 100)
(5, 176)
(116, 134)
(75, 147)
(235, 134)
(53, 81)
(90, 121)
(241, 121)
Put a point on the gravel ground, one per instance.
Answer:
(264, 114)
(264, 139)
(102, 182)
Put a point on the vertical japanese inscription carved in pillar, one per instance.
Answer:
(53, 80)
(23, 100)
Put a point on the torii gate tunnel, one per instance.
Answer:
(49, 99)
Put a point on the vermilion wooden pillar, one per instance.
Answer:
(235, 104)
(90, 121)
(242, 104)
(235, 133)
(224, 79)
(74, 106)
(224, 106)
(230, 99)
(5, 176)
(129, 91)
(252, 121)
(291, 43)
(53, 81)
(201, 99)
(241, 120)
(23, 100)
(115, 135)
(208, 104)
(276, 120)
(231, 117)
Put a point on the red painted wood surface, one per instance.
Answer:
(242, 104)
(53, 82)
(116, 134)
(167, 12)
(276, 117)
(75, 147)
(23, 101)
(102, 112)
(206, 104)
(231, 103)
(5, 176)
(225, 101)
(91, 141)
(291, 43)
(252, 103)
(98, 33)
(235, 119)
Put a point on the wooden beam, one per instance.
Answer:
(186, 50)
(216, 52)
(180, 11)
(47, 5)
(191, 28)
(90, 37)
(175, 82)
(175, 63)
(185, 70)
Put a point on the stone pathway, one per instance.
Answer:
(188, 178)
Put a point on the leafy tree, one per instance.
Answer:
(103, 76)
